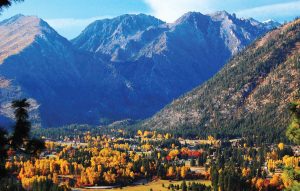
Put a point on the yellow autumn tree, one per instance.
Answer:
(168, 136)
(275, 180)
(259, 183)
(245, 172)
(183, 172)
(281, 146)
(170, 171)
(174, 153)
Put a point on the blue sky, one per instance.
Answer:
(70, 17)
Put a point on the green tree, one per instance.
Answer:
(291, 176)
(214, 177)
(293, 131)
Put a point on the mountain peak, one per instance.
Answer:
(221, 15)
(20, 19)
(115, 31)
(190, 17)
(25, 22)
(130, 19)
(135, 16)
(19, 31)
(270, 24)
(16, 33)
(253, 21)
(12, 19)
(192, 14)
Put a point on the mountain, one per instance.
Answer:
(270, 24)
(126, 67)
(250, 94)
(161, 61)
(116, 37)
(131, 37)
(39, 64)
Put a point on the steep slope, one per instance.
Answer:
(161, 61)
(39, 64)
(251, 92)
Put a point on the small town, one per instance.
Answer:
(154, 161)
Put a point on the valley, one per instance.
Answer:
(151, 160)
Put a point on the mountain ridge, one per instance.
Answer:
(166, 60)
(154, 62)
(160, 25)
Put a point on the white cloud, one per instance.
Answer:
(280, 10)
(170, 10)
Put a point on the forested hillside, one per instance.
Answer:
(250, 94)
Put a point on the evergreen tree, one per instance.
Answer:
(193, 162)
(20, 140)
(214, 177)
(22, 126)
(3, 152)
